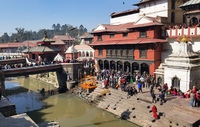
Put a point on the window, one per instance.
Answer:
(176, 82)
(173, 4)
(172, 16)
(112, 35)
(100, 52)
(143, 53)
(184, 20)
(130, 53)
(125, 34)
(99, 38)
(119, 53)
(143, 33)
(115, 52)
(108, 53)
(111, 52)
(124, 53)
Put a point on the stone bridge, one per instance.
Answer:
(61, 69)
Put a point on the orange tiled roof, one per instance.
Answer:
(11, 45)
(115, 28)
(146, 24)
(130, 41)
(126, 26)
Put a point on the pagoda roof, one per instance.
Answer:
(42, 49)
(46, 40)
(86, 35)
(189, 3)
(64, 38)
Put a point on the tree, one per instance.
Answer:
(20, 33)
(54, 26)
(58, 27)
(5, 37)
(81, 30)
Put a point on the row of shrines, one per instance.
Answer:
(135, 38)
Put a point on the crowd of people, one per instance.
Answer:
(122, 80)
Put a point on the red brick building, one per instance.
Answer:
(134, 45)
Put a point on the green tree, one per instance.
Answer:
(54, 26)
(5, 37)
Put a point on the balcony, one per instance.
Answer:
(179, 32)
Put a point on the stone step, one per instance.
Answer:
(186, 119)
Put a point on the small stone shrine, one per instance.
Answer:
(182, 67)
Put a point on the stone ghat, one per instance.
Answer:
(175, 112)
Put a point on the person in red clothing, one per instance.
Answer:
(194, 89)
(154, 111)
(197, 99)
(106, 83)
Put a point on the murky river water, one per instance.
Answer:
(66, 109)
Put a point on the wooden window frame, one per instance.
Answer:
(99, 38)
(143, 34)
(112, 35)
(143, 53)
(125, 35)
(100, 52)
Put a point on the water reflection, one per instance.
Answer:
(11, 84)
(66, 109)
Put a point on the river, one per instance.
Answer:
(66, 109)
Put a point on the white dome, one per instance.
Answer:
(71, 49)
(58, 58)
(82, 42)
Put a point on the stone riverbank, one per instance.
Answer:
(175, 112)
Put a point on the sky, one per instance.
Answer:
(42, 14)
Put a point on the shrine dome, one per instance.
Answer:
(71, 49)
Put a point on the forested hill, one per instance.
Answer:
(22, 34)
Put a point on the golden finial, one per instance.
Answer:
(184, 39)
(143, 14)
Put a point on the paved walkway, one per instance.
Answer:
(137, 109)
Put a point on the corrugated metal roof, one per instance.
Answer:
(191, 2)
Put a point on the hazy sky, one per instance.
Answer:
(39, 14)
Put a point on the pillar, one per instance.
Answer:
(140, 69)
(2, 83)
(116, 66)
(130, 69)
(122, 66)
